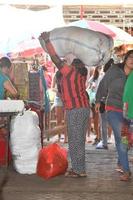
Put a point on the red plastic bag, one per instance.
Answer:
(126, 133)
(4, 159)
(130, 135)
(52, 161)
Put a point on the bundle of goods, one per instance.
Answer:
(25, 141)
(91, 47)
(52, 161)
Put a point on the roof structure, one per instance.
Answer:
(66, 2)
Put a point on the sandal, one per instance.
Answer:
(119, 169)
(126, 176)
(73, 174)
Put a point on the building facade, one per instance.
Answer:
(119, 15)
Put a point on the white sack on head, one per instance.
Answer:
(92, 48)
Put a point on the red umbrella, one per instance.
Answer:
(27, 48)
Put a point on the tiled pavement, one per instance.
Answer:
(102, 182)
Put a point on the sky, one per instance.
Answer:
(67, 2)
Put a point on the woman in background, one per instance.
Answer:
(58, 104)
(112, 87)
(93, 83)
(5, 83)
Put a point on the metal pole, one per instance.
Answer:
(81, 12)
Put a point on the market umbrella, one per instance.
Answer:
(93, 25)
(119, 36)
(20, 25)
(27, 48)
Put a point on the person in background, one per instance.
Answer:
(75, 100)
(90, 128)
(128, 105)
(46, 99)
(105, 129)
(112, 87)
(5, 83)
(128, 95)
(93, 83)
(58, 104)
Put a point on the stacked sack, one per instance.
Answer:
(25, 141)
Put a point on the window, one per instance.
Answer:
(112, 16)
(74, 12)
(67, 16)
(104, 12)
(128, 16)
(89, 12)
(97, 16)
(104, 20)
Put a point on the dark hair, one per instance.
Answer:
(121, 65)
(77, 62)
(127, 55)
(44, 68)
(80, 66)
(5, 62)
(108, 65)
(58, 75)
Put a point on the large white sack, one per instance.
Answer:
(26, 162)
(26, 154)
(25, 167)
(93, 48)
(32, 133)
(24, 149)
(25, 141)
(23, 121)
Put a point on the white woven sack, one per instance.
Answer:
(24, 167)
(93, 48)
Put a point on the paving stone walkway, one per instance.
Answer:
(102, 182)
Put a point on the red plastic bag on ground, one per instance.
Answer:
(52, 161)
